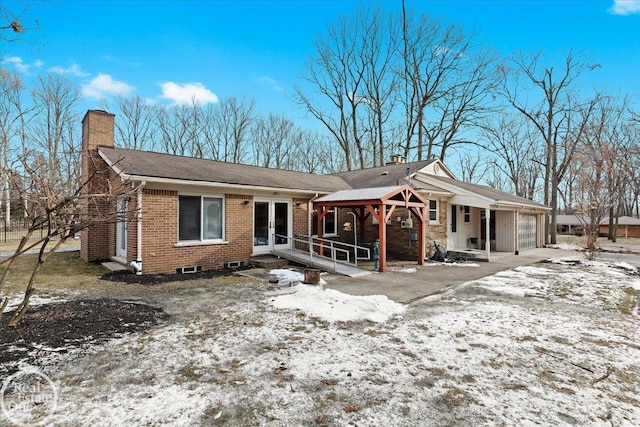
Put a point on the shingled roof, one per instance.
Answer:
(388, 175)
(488, 192)
(160, 165)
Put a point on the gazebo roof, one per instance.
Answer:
(402, 195)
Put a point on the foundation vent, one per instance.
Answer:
(233, 264)
(187, 270)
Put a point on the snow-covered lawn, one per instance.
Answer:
(552, 344)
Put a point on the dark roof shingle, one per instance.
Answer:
(386, 176)
(159, 165)
(488, 192)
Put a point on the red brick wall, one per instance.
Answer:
(623, 230)
(301, 216)
(96, 242)
(398, 245)
(160, 233)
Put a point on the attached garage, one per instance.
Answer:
(527, 231)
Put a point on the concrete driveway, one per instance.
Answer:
(405, 287)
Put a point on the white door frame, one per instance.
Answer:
(121, 229)
(271, 244)
(452, 236)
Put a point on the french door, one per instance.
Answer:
(271, 224)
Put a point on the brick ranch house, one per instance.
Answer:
(187, 214)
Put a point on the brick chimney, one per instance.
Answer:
(396, 159)
(97, 131)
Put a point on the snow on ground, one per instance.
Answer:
(332, 306)
(408, 270)
(539, 345)
(566, 246)
(290, 276)
(450, 264)
(35, 300)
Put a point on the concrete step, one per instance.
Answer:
(268, 261)
(114, 266)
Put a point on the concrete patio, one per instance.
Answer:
(434, 278)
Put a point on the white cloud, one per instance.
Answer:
(74, 69)
(183, 94)
(625, 7)
(271, 82)
(38, 63)
(103, 85)
(18, 63)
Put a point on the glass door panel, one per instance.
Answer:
(260, 226)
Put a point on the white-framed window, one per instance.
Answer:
(200, 218)
(467, 214)
(434, 212)
(329, 222)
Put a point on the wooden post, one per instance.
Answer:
(487, 240)
(382, 235)
(421, 233)
(319, 217)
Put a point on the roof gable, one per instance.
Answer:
(388, 175)
(397, 195)
(437, 168)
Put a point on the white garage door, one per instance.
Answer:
(527, 231)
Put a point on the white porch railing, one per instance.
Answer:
(336, 249)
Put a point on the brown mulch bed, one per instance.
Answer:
(158, 279)
(58, 327)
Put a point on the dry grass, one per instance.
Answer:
(11, 246)
(66, 275)
(63, 271)
(582, 240)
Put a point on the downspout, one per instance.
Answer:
(137, 264)
(309, 224)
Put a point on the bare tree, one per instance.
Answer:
(353, 81)
(315, 154)
(53, 142)
(447, 85)
(227, 129)
(135, 122)
(516, 151)
(555, 113)
(14, 24)
(180, 129)
(14, 119)
(275, 139)
(55, 215)
(472, 165)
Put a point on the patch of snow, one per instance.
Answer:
(566, 246)
(290, 276)
(451, 264)
(404, 270)
(626, 266)
(35, 300)
(332, 305)
(589, 283)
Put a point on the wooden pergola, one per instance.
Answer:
(378, 202)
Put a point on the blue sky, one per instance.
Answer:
(169, 51)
